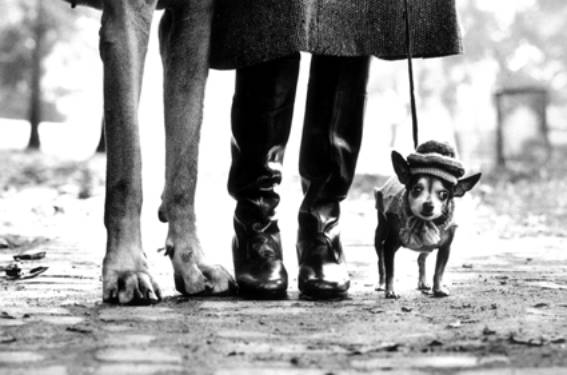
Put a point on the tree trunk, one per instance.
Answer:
(35, 85)
(101, 148)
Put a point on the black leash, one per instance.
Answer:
(409, 41)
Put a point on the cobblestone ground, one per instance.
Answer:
(507, 313)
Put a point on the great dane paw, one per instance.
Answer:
(204, 279)
(380, 287)
(129, 287)
(423, 286)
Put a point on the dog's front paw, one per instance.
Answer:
(128, 285)
(380, 287)
(204, 279)
(220, 280)
(440, 292)
(390, 294)
(194, 276)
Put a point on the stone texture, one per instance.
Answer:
(137, 369)
(148, 355)
(58, 320)
(19, 357)
(437, 362)
(43, 370)
(153, 313)
(127, 339)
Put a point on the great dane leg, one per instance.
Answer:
(123, 43)
(184, 42)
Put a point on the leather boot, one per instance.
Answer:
(332, 134)
(262, 112)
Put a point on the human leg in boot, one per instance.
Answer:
(262, 112)
(330, 144)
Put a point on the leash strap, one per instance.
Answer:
(409, 46)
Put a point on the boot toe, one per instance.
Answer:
(271, 283)
(330, 281)
(260, 289)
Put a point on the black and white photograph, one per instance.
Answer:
(318, 187)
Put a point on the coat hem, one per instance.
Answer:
(243, 62)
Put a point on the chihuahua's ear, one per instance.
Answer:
(466, 184)
(401, 167)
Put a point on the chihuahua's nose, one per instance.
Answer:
(428, 208)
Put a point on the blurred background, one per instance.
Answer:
(502, 103)
(507, 92)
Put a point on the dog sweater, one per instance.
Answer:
(415, 233)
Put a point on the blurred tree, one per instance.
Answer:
(540, 53)
(526, 43)
(521, 43)
(29, 31)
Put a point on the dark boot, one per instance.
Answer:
(258, 265)
(262, 112)
(332, 133)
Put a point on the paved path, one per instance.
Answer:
(507, 313)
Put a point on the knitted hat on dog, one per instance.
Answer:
(436, 159)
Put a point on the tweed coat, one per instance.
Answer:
(246, 32)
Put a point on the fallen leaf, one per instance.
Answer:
(384, 347)
(79, 329)
(6, 315)
(13, 270)
(15, 273)
(4, 244)
(374, 310)
(30, 256)
(528, 342)
(7, 339)
(435, 343)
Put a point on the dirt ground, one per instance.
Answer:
(507, 312)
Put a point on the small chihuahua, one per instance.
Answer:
(416, 211)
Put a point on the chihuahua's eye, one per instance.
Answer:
(443, 195)
(417, 189)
